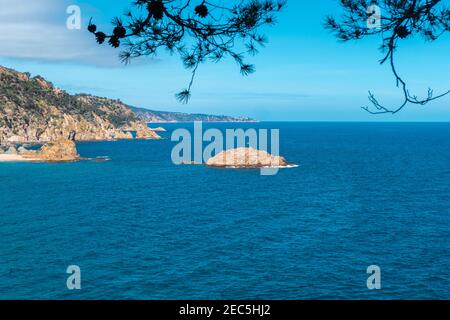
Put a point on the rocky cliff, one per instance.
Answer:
(32, 110)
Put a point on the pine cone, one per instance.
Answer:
(402, 32)
(92, 28)
(201, 11)
(100, 36)
(114, 42)
(156, 9)
(120, 31)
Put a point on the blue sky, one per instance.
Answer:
(303, 73)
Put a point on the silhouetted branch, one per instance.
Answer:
(196, 30)
(400, 19)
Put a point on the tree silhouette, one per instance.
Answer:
(399, 20)
(197, 31)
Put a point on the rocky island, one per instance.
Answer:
(247, 158)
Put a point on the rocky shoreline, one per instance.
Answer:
(60, 150)
(34, 112)
(78, 132)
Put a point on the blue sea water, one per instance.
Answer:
(140, 227)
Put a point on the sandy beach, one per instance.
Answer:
(14, 158)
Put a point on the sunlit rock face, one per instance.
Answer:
(143, 131)
(60, 150)
(246, 158)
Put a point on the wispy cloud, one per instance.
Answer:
(37, 30)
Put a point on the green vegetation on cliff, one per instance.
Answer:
(33, 110)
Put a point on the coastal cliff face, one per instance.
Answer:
(32, 110)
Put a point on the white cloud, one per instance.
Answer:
(36, 29)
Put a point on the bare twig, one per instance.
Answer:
(402, 19)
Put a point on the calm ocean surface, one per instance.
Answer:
(140, 227)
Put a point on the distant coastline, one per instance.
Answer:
(191, 121)
(153, 116)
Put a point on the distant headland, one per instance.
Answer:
(165, 116)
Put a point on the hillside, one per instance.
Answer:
(33, 110)
(165, 116)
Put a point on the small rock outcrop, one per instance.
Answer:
(22, 150)
(143, 131)
(11, 150)
(122, 135)
(246, 158)
(158, 129)
(61, 150)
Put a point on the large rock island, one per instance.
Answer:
(247, 158)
